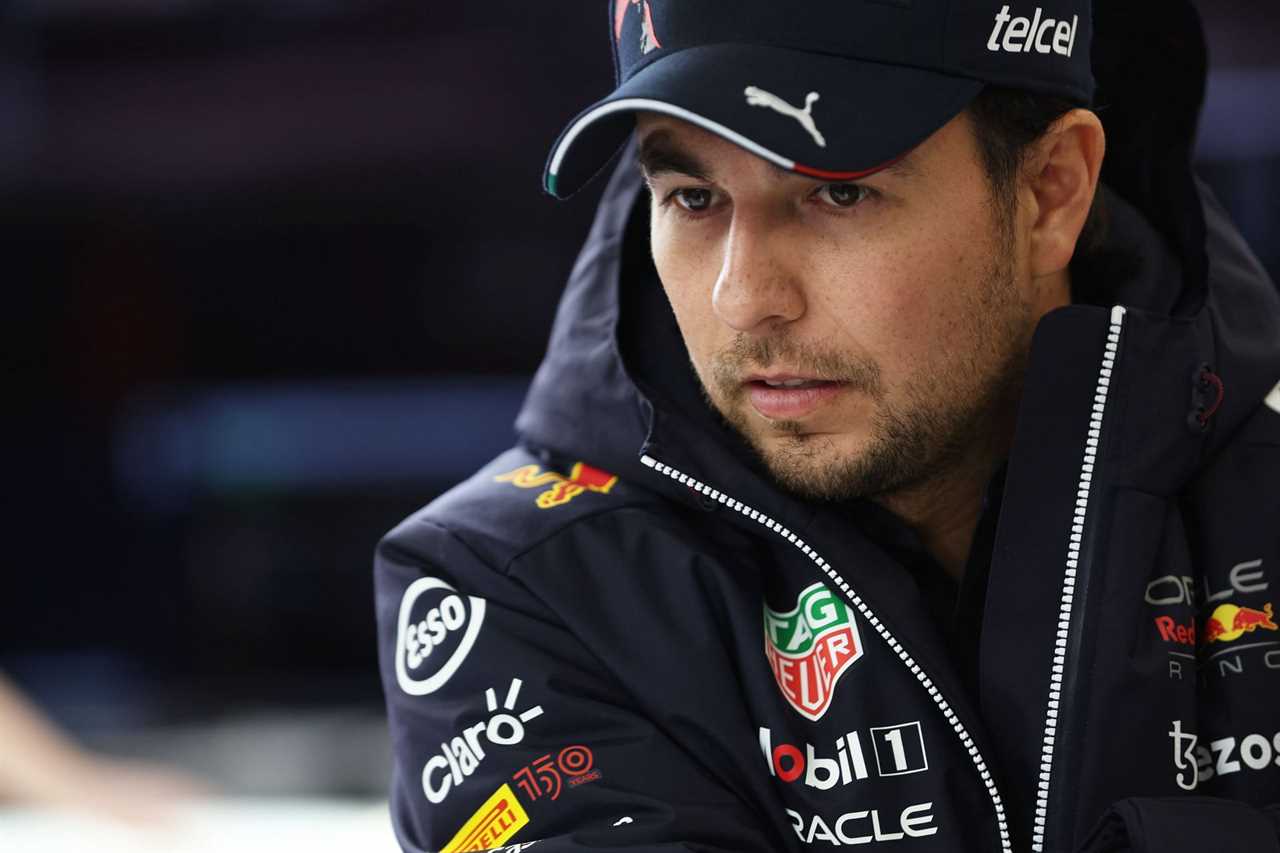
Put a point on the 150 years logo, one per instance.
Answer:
(546, 775)
(809, 647)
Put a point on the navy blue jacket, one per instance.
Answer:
(620, 635)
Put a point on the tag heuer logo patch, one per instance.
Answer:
(809, 647)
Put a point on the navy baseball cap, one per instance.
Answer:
(833, 89)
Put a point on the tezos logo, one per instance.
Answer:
(809, 647)
(1196, 763)
(1184, 757)
(460, 757)
(431, 612)
(1041, 34)
(1225, 755)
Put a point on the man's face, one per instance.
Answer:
(863, 337)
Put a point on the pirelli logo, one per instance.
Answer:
(493, 824)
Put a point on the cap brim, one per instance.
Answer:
(866, 116)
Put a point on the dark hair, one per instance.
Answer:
(1006, 123)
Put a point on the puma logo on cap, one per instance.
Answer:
(758, 97)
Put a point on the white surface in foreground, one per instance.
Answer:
(243, 826)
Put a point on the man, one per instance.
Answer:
(898, 474)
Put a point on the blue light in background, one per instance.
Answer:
(1241, 115)
(169, 448)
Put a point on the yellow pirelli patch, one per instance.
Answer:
(493, 824)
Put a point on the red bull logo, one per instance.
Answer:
(1229, 622)
(648, 38)
(1173, 632)
(561, 489)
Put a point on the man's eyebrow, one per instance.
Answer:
(661, 154)
(903, 167)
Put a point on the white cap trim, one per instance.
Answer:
(650, 105)
(1273, 399)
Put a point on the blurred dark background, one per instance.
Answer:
(275, 274)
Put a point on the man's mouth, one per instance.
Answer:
(794, 383)
(790, 397)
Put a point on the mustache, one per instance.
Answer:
(747, 355)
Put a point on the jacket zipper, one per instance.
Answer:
(870, 618)
(1083, 488)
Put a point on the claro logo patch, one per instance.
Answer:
(458, 758)
(809, 647)
(432, 614)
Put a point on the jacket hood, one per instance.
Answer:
(616, 376)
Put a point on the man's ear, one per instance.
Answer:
(1062, 175)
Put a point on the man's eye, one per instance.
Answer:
(693, 199)
(843, 195)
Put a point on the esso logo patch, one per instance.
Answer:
(432, 614)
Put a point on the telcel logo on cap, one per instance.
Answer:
(1023, 35)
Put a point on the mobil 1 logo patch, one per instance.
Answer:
(898, 749)
(436, 629)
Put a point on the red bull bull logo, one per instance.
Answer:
(1229, 622)
(560, 489)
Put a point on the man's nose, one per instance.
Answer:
(756, 290)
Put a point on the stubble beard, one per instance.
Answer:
(947, 413)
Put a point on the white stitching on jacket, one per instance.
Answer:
(1069, 577)
(938, 699)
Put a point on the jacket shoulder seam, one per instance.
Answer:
(391, 544)
(567, 526)
(504, 568)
